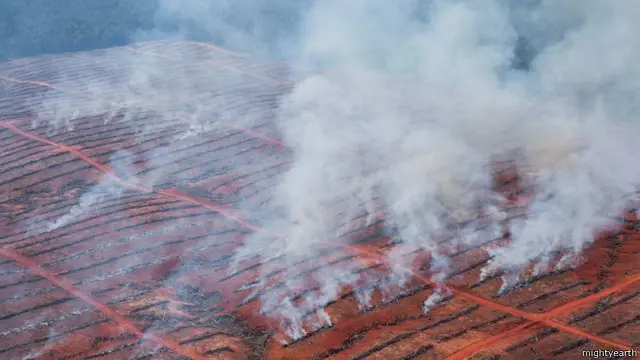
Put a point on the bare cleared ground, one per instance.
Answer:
(144, 275)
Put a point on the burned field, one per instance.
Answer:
(117, 230)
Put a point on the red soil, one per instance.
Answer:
(145, 275)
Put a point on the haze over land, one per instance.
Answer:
(403, 104)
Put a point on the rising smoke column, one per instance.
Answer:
(586, 169)
(402, 105)
(431, 136)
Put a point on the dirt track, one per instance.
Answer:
(144, 275)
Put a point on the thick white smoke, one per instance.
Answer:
(408, 103)
(399, 109)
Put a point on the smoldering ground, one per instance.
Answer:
(409, 104)
(410, 101)
(398, 108)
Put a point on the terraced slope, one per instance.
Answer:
(116, 230)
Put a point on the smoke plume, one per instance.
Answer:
(397, 109)
(405, 104)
